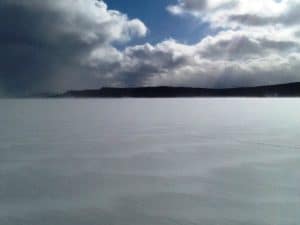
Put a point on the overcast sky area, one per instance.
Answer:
(56, 45)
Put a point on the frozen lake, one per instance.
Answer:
(150, 162)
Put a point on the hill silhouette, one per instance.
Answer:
(281, 90)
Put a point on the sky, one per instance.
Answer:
(57, 45)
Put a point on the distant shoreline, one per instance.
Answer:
(280, 90)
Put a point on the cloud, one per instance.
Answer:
(241, 14)
(256, 42)
(66, 44)
(226, 60)
(44, 44)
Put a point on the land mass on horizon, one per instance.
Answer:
(280, 90)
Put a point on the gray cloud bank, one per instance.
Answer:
(44, 44)
(59, 45)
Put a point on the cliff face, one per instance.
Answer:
(283, 90)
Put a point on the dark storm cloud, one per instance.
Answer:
(43, 44)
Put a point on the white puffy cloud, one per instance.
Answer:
(220, 11)
(257, 43)
(226, 60)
